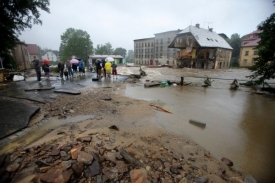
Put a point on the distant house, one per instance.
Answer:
(201, 48)
(51, 55)
(33, 52)
(118, 59)
(247, 52)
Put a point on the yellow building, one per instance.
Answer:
(248, 52)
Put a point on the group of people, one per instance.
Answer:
(71, 69)
(106, 68)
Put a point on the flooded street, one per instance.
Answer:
(239, 126)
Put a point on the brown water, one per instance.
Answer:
(239, 126)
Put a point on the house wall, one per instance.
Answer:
(21, 56)
(50, 56)
(33, 57)
(223, 57)
(163, 54)
(247, 56)
(205, 58)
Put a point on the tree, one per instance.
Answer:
(264, 67)
(104, 49)
(130, 56)
(16, 16)
(235, 42)
(74, 42)
(120, 51)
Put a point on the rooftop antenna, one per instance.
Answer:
(209, 23)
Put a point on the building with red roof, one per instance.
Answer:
(248, 52)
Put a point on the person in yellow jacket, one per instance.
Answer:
(108, 68)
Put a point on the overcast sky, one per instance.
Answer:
(122, 21)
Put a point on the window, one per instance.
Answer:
(255, 52)
(156, 55)
(157, 48)
(161, 41)
(245, 61)
(136, 45)
(142, 44)
(161, 48)
(160, 55)
(152, 50)
(246, 53)
(168, 40)
(157, 42)
(168, 55)
(174, 55)
(167, 62)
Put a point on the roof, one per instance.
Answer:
(178, 30)
(33, 49)
(252, 39)
(205, 37)
(144, 39)
(105, 56)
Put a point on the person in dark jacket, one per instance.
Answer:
(98, 68)
(69, 67)
(37, 69)
(103, 66)
(61, 69)
(46, 68)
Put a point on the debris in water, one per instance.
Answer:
(197, 123)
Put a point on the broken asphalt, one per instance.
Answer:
(15, 115)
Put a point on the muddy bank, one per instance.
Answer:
(165, 157)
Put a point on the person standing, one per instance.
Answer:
(114, 71)
(69, 67)
(80, 67)
(74, 67)
(37, 69)
(61, 69)
(108, 69)
(103, 66)
(98, 68)
(46, 69)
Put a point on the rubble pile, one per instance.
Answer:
(96, 158)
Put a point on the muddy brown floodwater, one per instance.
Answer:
(239, 125)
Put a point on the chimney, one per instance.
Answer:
(210, 29)
(198, 25)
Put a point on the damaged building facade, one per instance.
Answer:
(201, 48)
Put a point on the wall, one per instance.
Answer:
(50, 56)
(21, 56)
(163, 54)
(143, 51)
(249, 58)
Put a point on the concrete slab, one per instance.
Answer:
(14, 116)
(67, 91)
(40, 88)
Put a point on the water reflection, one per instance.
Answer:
(239, 126)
